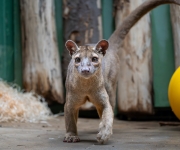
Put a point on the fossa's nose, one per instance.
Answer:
(85, 70)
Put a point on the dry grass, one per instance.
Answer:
(16, 105)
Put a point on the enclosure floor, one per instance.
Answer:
(128, 135)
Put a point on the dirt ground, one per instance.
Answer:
(128, 135)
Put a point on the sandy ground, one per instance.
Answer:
(128, 135)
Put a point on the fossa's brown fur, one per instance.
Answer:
(92, 75)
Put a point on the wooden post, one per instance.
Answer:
(83, 25)
(175, 17)
(42, 69)
(135, 80)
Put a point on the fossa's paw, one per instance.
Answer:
(71, 138)
(104, 133)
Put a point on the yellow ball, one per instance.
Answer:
(174, 93)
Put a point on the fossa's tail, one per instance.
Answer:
(119, 34)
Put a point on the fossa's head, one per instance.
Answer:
(87, 59)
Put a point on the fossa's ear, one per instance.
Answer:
(71, 47)
(102, 46)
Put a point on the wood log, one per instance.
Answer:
(83, 25)
(135, 79)
(175, 17)
(41, 61)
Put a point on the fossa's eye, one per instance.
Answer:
(94, 59)
(77, 60)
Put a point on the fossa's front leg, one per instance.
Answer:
(71, 115)
(106, 114)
